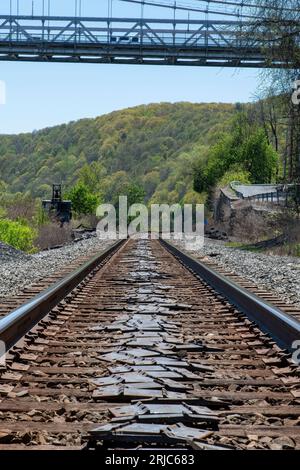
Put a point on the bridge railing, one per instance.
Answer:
(279, 198)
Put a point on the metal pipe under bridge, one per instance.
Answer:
(138, 41)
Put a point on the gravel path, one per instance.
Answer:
(280, 274)
(18, 270)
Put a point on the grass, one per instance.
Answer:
(292, 249)
(234, 244)
(244, 246)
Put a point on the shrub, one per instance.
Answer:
(83, 200)
(17, 234)
(235, 174)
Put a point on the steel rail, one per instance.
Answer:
(279, 325)
(21, 320)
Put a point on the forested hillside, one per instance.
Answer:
(155, 146)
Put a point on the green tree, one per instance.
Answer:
(220, 158)
(114, 186)
(135, 194)
(192, 197)
(259, 158)
(246, 147)
(92, 175)
(150, 181)
(3, 186)
(83, 201)
(44, 191)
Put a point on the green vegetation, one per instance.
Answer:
(17, 234)
(297, 249)
(155, 147)
(172, 152)
(235, 244)
(83, 200)
(235, 173)
(243, 154)
(135, 194)
(159, 153)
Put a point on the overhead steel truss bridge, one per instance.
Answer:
(138, 41)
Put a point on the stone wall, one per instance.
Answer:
(240, 218)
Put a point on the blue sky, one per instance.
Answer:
(40, 95)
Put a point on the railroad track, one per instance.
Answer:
(141, 353)
(263, 292)
(12, 302)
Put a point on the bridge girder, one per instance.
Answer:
(136, 41)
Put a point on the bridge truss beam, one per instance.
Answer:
(137, 41)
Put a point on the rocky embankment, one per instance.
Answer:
(18, 270)
(280, 274)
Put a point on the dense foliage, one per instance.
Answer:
(242, 154)
(17, 234)
(83, 200)
(160, 153)
(155, 147)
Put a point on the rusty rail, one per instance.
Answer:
(144, 354)
(279, 325)
(21, 320)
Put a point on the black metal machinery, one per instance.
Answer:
(57, 207)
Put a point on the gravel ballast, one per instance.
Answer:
(8, 253)
(18, 270)
(280, 274)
